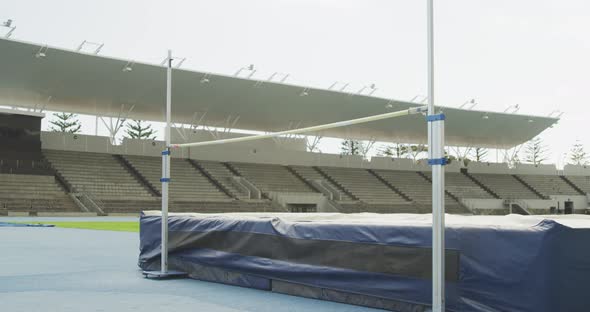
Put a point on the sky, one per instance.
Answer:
(533, 53)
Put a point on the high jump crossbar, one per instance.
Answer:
(405, 112)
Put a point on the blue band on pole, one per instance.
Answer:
(431, 118)
(437, 161)
(164, 180)
(166, 152)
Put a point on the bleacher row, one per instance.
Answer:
(132, 183)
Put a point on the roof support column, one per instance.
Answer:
(226, 128)
(119, 123)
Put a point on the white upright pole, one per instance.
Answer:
(437, 161)
(166, 166)
(164, 272)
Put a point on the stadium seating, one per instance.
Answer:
(222, 174)
(20, 192)
(549, 185)
(582, 182)
(122, 184)
(462, 187)
(506, 186)
(99, 175)
(364, 186)
(413, 185)
(311, 174)
(189, 184)
(272, 178)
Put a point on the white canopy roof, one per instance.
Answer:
(70, 81)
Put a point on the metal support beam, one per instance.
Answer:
(119, 123)
(281, 140)
(220, 131)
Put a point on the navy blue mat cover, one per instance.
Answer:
(524, 265)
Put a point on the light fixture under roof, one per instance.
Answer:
(128, 67)
(42, 52)
(485, 117)
(305, 92)
(205, 79)
(389, 104)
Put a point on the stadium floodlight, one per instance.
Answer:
(278, 74)
(8, 24)
(472, 102)
(485, 116)
(555, 113)
(305, 92)
(372, 88)
(275, 77)
(343, 85)
(250, 68)
(512, 109)
(96, 45)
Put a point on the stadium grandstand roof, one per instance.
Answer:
(39, 76)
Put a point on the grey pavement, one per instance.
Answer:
(56, 269)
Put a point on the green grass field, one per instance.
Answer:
(130, 226)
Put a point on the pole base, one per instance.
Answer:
(164, 275)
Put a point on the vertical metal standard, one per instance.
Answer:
(164, 272)
(437, 160)
(166, 166)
